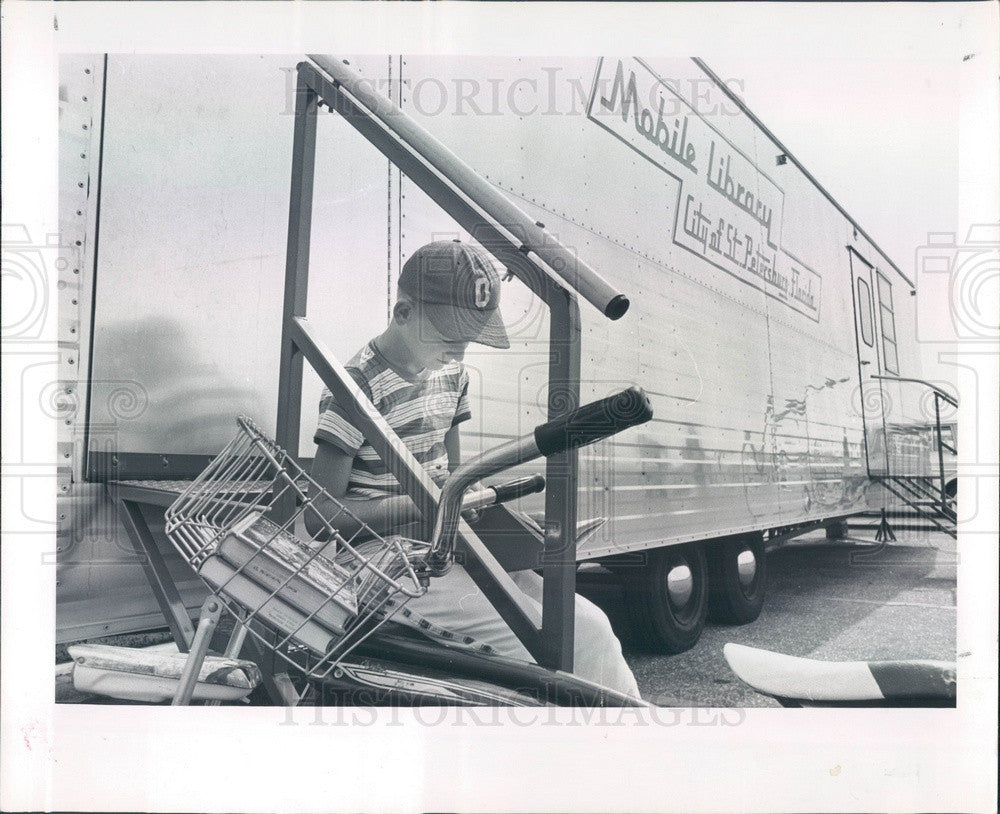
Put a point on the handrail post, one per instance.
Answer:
(561, 474)
(296, 278)
(940, 449)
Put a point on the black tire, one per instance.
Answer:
(733, 600)
(658, 623)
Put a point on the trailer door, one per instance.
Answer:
(870, 390)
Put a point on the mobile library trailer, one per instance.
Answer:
(771, 334)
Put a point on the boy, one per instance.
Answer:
(448, 296)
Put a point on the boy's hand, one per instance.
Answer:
(471, 516)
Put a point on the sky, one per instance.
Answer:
(883, 136)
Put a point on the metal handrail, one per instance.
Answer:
(533, 237)
(942, 393)
(939, 396)
(529, 253)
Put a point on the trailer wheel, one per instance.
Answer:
(737, 572)
(667, 598)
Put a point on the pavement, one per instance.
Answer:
(842, 600)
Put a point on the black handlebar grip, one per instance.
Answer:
(594, 421)
(519, 488)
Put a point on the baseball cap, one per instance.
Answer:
(459, 289)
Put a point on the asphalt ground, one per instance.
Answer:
(844, 600)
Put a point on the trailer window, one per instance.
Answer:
(888, 322)
(865, 310)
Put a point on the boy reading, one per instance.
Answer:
(448, 296)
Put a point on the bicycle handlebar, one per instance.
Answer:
(594, 421)
(511, 490)
(584, 425)
(518, 488)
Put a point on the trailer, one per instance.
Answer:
(652, 231)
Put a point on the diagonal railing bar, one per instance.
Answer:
(496, 584)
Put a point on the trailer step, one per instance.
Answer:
(913, 492)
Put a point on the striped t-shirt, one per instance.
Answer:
(420, 413)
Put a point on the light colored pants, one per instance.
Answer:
(455, 603)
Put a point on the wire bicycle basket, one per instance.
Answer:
(309, 597)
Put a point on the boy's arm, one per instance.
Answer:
(453, 444)
(331, 469)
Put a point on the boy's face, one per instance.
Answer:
(431, 349)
